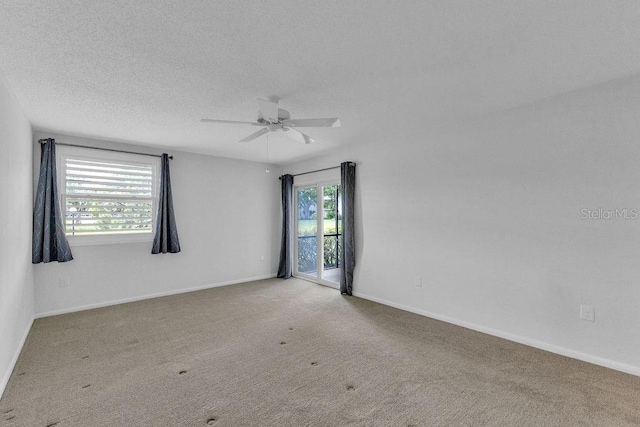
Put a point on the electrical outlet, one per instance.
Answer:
(418, 281)
(63, 282)
(261, 257)
(587, 313)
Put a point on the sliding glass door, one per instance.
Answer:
(307, 229)
(331, 234)
(318, 233)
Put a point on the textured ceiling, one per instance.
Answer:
(147, 71)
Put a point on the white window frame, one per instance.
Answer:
(65, 151)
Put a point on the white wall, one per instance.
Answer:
(16, 270)
(488, 213)
(227, 214)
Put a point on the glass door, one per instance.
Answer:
(318, 233)
(307, 231)
(331, 235)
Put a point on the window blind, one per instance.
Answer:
(107, 197)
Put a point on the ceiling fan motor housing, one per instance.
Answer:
(282, 115)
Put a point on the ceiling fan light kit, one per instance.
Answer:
(273, 119)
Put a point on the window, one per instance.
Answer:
(107, 197)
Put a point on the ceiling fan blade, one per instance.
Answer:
(255, 135)
(299, 136)
(231, 121)
(319, 123)
(268, 109)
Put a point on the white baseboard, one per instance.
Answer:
(618, 366)
(149, 296)
(14, 360)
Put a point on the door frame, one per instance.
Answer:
(319, 185)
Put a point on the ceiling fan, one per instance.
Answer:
(272, 119)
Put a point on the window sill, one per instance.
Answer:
(108, 240)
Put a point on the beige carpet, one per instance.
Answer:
(291, 353)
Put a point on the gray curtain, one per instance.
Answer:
(165, 235)
(49, 242)
(285, 268)
(348, 183)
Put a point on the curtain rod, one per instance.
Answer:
(317, 170)
(41, 141)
